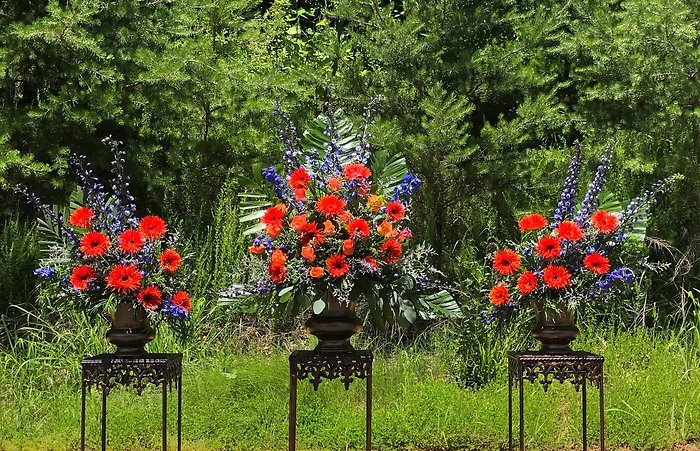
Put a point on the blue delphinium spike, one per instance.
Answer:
(567, 201)
(590, 203)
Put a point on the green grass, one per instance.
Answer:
(239, 401)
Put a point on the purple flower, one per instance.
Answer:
(567, 201)
(280, 186)
(590, 202)
(409, 185)
(45, 272)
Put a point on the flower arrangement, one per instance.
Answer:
(574, 257)
(336, 221)
(99, 254)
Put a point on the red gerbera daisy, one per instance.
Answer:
(359, 228)
(527, 282)
(150, 297)
(556, 276)
(81, 276)
(170, 260)
(330, 205)
(533, 221)
(299, 179)
(357, 172)
(395, 211)
(597, 263)
(274, 215)
(182, 300)
(569, 230)
(131, 241)
(499, 294)
(337, 265)
(506, 262)
(94, 244)
(81, 217)
(390, 251)
(604, 222)
(153, 227)
(124, 278)
(310, 231)
(277, 272)
(548, 247)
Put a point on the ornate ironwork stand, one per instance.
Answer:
(316, 366)
(107, 371)
(578, 367)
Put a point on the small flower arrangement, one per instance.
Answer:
(336, 220)
(99, 253)
(574, 257)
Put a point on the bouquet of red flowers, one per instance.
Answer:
(99, 254)
(336, 221)
(574, 257)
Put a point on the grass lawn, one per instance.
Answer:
(239, 401)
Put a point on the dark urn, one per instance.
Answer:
(555, 327)
(131, 330)
(335, 325)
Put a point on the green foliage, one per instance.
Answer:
(19, 254)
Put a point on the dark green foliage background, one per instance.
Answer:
(484, 98)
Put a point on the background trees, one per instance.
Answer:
(485, 99)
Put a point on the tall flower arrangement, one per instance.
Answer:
(574, 256)
(99, 252)
(336, 219)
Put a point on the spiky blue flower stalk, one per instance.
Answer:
(287, 133)
(280, 186)
(567, 201)
(123, 208)
(590, 202)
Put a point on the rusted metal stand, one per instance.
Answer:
(316, 366)
(107, 371)
(577, 367)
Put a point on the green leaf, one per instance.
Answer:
(318, 306)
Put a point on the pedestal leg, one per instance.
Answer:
(583, 397)
(602, 411)
(522, 412)
(292, 407)
(179, 412)
(82, 418)
(164, 430)
(368, 411)
(510, 411)
(105, 390)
